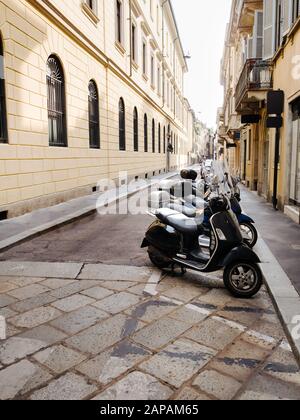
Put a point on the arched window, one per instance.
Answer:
(145, 133)
(165, 148)
(153, 136)
(3, 122)
(122, 133)
(135, 130)
(159, 138)
(56, 103)
(94, 122)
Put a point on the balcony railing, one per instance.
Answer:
(257, 75)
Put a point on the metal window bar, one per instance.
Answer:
(122, 134)
(94, 122)
(135, 131)
(153, 136)
(56, 105)
(146, 134)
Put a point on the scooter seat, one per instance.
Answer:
(180, 222)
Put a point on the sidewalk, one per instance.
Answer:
(280, 233)
(13, 231)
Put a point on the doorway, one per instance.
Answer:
(295, 155)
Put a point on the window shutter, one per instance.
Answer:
(287, 15)
(250, 48)
(258, 34)
(269, 29)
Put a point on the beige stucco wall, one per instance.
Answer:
(286, 77)
(32, 174)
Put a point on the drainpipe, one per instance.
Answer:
(276, 163)
(163, 50)
(130, 32)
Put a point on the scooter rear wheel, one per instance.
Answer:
(243, 279)
(158, 259)
(250, 234)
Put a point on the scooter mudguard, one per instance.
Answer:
(241, 253)
(244, 218)
(162, 237)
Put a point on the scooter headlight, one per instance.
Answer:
(221, 235)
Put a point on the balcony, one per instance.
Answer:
(256, 79)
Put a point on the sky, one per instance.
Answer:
(202, 27)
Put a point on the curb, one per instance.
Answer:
(283, 294)
(12, 241)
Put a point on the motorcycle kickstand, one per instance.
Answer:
(173, 272)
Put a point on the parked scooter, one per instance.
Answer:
(185, 197)
(173, 240)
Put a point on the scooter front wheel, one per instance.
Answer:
(249, 233)
(158, 259)
(243, 279)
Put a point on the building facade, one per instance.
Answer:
(88, 88)
(262, 55)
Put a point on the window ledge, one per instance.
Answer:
(89, 13)
(120, 47)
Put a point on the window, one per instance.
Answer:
(119, 21)
(165, 140)
(135, 130)
(56, 103)
(159, 138)
(122, 134)
(144, 58)
(145, 133)
(94, 122)
(158, 81)
(133, 43)
(3, 123)
(279, 28)
(296, 9)
(152, 71)
(153, 136)
(92, 4)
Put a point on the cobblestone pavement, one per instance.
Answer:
(113, 332)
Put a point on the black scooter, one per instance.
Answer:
(173, 240)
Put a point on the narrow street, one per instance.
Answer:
(141, 140)
(89, 318)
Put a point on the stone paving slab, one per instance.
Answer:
(59, 358)
(72, 303)
(35, 317)
(105, 334)
(117, 302)
(136, 386)
(160, 333)
(214, 383)
(21, 378)
(115, 273)
(67, 387)
(76, 321)
(213, 334)
(40, 269)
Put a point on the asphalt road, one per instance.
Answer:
(109, 239)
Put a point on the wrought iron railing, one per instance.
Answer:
(257, 74)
